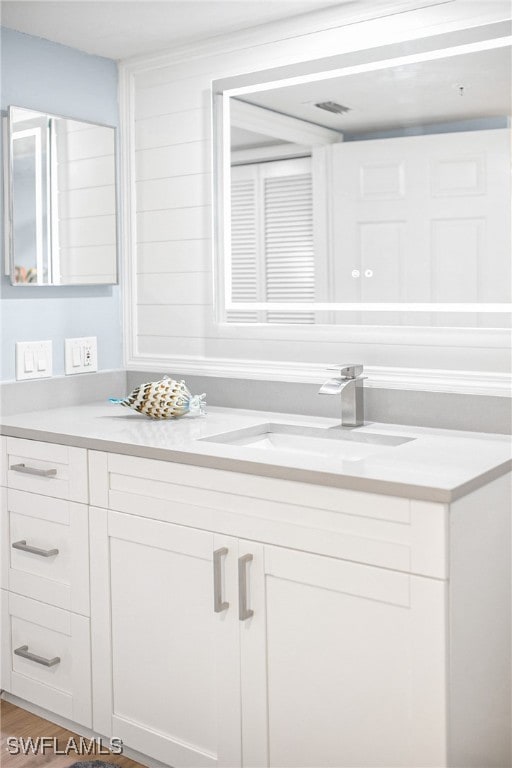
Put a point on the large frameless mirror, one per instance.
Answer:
(62, 213)
(376, 190)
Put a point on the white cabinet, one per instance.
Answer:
(44, 553)
(343, 665)
(320, 652)
(46, 657)
(348, 641)
(53, 470)
(173, 672)
(247, 622)
(45, 545)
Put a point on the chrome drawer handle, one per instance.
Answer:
(33, 471)
(26, 654)
(219, 605)
(243, 611)
(33, 550)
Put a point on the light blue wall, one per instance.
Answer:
(49, 77)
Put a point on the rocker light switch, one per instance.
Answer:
(33, 359)
(29, 362)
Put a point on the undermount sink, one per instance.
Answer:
(336, 442)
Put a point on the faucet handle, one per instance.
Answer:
(350, 371)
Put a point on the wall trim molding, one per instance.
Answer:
(128, 211)
(185, 62)
(418, 379)
(304, 24)
(417, 335)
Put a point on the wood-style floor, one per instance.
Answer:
(20, 723)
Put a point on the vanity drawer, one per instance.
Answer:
(46, 549)
(46, 468)
(46, 657)
(386, 531)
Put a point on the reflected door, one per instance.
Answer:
(423, 218)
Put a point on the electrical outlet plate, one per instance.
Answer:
(81, 355)
(34, 360)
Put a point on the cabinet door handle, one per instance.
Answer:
(33, 471)
(26, 654)
(219, 605)
(243, 611)
(33, 550)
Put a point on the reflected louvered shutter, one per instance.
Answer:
(244, 266)
(289, 253)
(272, 255)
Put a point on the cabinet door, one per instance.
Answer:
(336, 651)
(174, 668)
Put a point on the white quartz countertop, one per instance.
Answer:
(438, 465)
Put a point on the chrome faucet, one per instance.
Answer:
(349, 384)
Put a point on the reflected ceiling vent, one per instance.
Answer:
(331, 106)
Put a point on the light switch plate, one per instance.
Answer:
(34, 360)
(81, 355)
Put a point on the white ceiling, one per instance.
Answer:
(119, 28)
(404, 96)
(244, 139)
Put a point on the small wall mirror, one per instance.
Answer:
(61, 189)
(375, 188)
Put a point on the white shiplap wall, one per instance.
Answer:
(167, 148)
(86, 203)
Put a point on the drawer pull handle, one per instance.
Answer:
(26, 654)
(219, 605)
(243, 611)
(34, 550)
(33, 471)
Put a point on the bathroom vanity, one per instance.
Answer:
(238, 600)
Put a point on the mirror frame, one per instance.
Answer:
(9, 204)
(487, 37)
